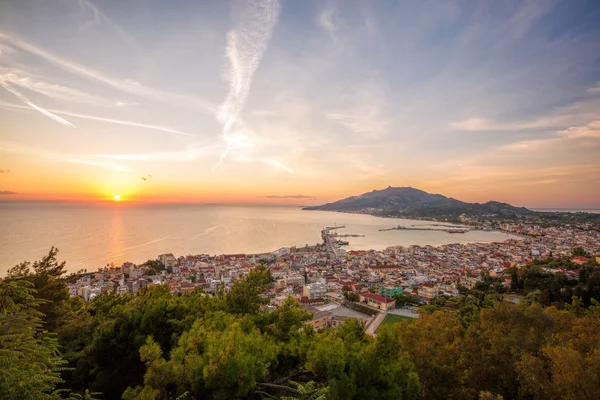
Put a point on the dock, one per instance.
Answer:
(412, 228)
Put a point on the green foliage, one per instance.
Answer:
(549, 288)
(30, 362)
(155, 345)
(46, 277)
(406, 298)
(307, 391)
(357, 367)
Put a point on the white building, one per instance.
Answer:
(315, 291)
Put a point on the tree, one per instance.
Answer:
(222, 355)
(578, 251)
(307, 391)
(46, 276)
(30, 362)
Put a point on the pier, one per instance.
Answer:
(332, 242)
(412, 228)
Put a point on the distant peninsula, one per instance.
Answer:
(408, 202)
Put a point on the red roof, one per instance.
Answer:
(377, 297)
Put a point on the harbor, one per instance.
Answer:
(414, 228)
(332, 242)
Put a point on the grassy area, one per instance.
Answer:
(391, 319)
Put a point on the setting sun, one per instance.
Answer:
(117, 197)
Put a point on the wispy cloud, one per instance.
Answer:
(296, 196)
(4, 171)
(25, 100)
(124, 85)
(572, 136)
(34, 83)
(6, 192)
(14, 148)
(107, 120)
(328, 19)
(595, 89)
(365, 112)
(279, 164)
(98, 17)
(189, 154)
(246, 44)
(574, 114)
(370, 124)
(526, 16)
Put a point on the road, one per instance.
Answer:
(372, 328)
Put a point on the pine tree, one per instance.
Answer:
(30, 362)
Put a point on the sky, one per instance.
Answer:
(300, 102)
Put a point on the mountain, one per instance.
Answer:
(407, 201)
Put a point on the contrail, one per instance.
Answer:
(27, 80)
(278, 164)
(120, 84)
(108, 120)
(34, 106)
(99, 16)
(246, 44)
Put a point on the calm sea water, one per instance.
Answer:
(90, 236)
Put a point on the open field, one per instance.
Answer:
(392, 319)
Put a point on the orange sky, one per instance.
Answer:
(227, 104)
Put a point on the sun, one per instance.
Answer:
(117, 197)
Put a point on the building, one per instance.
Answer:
(168, 260)
(321, 320)
(389, 291)
(377, 301)
(427, 291)
(84, 292)
(315, 291)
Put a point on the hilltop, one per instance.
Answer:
(411, 202)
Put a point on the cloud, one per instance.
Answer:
(4, 50)
(472, 124)
(297, 196)
(127, 86)
(595, 89)
(571, 136)
(574, 114)
(279, 164)
(4, 171)
(370, 124)
(99, 17)
(246, 44)
(31, 82)
(189, 154)
(365, 111)
(122, 104)
(526, 16)
(10, 147)
(34, 106)
(328, 19)
(6, 192)
(108, 120)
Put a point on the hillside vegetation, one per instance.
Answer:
(155, 345)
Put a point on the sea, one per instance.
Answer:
(90, 236)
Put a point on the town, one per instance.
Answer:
(335, 284)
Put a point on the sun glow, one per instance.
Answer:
(117, 197)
